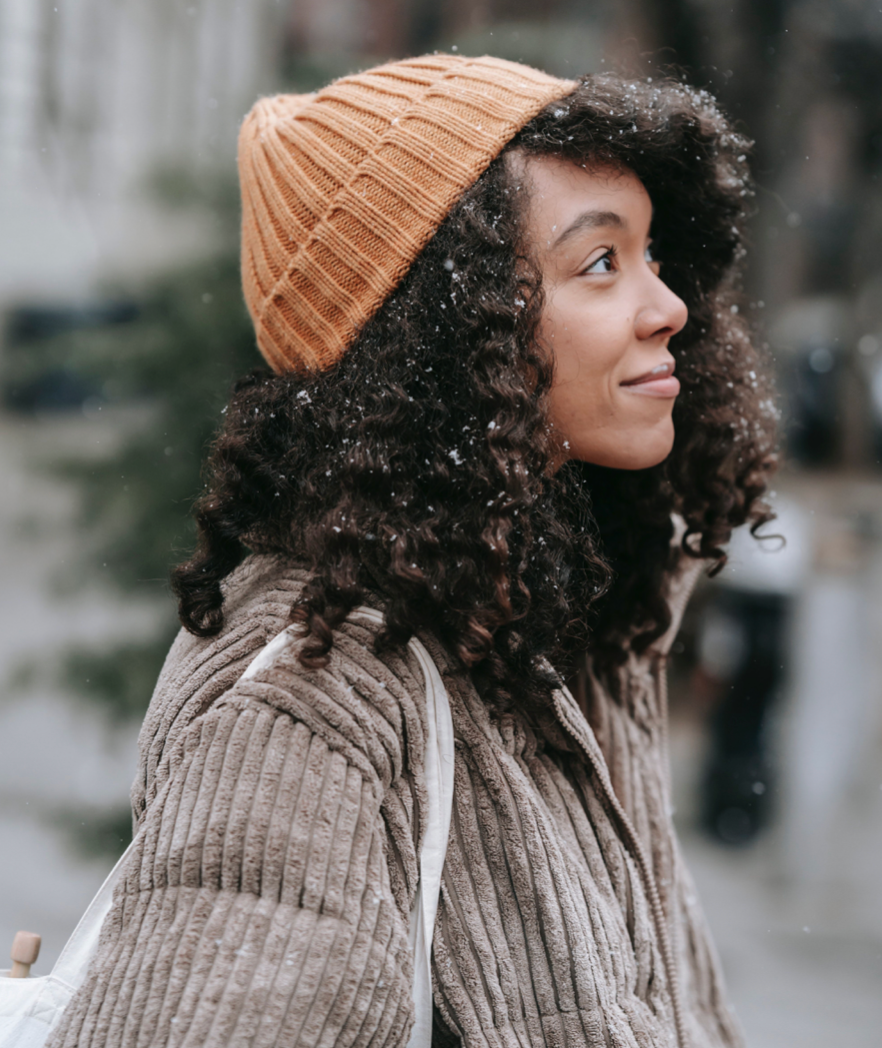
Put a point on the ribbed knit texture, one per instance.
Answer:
(267, 904)
(341, 190)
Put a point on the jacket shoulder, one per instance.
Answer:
(258, 597)
(360, 701)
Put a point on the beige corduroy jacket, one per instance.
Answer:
(267, 901)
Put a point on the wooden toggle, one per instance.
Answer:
(25, 951)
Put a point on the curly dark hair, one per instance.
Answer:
(418, 465)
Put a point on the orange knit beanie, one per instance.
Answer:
(341, 190)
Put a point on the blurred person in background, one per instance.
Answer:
(473, 283)
(745, 641)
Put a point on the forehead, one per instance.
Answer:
(561, 191)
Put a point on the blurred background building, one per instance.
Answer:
(123, 327)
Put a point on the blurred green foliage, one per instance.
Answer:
(157, 385)
(94, 833)
(177, 360)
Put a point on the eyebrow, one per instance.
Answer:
(590, 220)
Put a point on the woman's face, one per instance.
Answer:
(608, 316)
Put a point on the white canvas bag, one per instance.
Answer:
(31, 1008)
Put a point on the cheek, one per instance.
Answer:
(588, 347)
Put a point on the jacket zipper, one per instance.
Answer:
(639, 855)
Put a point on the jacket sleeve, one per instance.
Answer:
(266, 904)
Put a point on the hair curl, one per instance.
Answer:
(418, 466)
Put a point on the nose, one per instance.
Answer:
(664, 313)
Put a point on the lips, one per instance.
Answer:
(657, 382)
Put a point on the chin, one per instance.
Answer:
(653, 460)
(631, 454)
(650, 459)
(637, 462)
(654, 450)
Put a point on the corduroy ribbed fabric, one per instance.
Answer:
(341, 190)
(267, 902)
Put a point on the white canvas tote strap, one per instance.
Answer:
(439, 785)
(73, 962)
(74, 959)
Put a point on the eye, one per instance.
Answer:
(651, 257)
(603, 265)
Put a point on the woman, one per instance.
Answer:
(473, 283)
